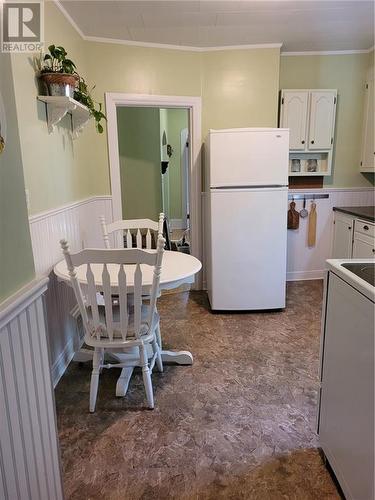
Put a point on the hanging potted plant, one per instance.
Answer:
(58, 73)
(83, 95)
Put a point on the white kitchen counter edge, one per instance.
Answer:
(359, 284)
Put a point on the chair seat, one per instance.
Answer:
(118, 340)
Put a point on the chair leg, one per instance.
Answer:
(158, 336)
(146, 377)
(95, 378)
(156, 349)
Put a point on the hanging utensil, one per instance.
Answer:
(311, 233)
(304, 213)
(293, 216)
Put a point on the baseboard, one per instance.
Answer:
(65, 357)
(62, 362)
(305, 275)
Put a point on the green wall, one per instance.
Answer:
(58, 169)
(347, 74)
(238, 88)
(139, 148)
(16, 259)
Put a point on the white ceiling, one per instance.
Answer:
(303, 25)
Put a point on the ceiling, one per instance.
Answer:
(303, 25)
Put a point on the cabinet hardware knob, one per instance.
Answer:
(366, 228)
(373, 250)
(312, 142)
(349, 228)
(303, 142)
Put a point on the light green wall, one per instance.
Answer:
(178, 119)
(240, 88)
(16, 260)
(57, 169)
(347, 74)
(139, 148)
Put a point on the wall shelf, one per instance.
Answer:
(58, 106)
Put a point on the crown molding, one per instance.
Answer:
(185, 48)
(327, 52)
(188, 48)
(69, 18)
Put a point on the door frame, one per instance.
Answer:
(194, 105)
(184, 138)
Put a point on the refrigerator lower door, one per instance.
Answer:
(247, 248)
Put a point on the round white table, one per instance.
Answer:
(177, 269)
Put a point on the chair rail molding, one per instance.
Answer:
(29, 450)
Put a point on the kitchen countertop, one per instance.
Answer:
(366, 213)
(335, 265)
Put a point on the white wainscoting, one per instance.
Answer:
(78, 223)
(305, 263)
(29, 452)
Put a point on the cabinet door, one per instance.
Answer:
(368, 149)
(363, 247)
(294, 116)
(322, 119)
(342, 237)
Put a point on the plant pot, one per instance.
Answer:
(59, 84)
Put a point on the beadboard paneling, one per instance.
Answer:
(29, 453)
(79, 224)
(309, 263)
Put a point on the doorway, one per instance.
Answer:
(188, 143)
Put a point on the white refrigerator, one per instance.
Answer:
(246, 218)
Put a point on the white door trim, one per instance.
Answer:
(194, 104)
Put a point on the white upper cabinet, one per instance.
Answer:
(368, 148)
(322, 119)
(294, 116)
(310, 116)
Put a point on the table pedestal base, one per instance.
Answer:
(177, 357)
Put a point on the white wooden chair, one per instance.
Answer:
(121, 327)
(126, 227)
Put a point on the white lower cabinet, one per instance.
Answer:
(342, 236)
(363, 247)
(352, 238)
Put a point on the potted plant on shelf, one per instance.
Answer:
(58, 73)
(60, 78)
(83, 95)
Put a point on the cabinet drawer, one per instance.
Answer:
(364, 227)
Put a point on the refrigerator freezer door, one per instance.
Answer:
(247, 262)
(249, 157)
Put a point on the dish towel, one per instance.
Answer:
(311, 234)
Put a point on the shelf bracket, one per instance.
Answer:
(55, 113)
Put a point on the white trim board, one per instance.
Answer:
(194, 105)
(327, 52)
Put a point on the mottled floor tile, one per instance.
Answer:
(238, 424)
